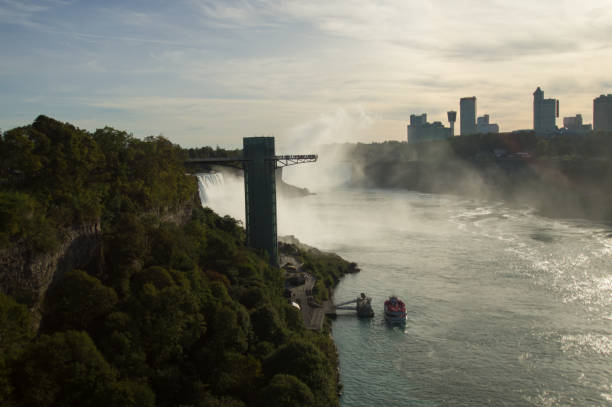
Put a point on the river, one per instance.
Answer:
(504, 307)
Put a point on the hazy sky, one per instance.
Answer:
(211, 72)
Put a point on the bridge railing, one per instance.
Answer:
(285, 160)
(281, 160)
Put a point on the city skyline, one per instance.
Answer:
(210, 73)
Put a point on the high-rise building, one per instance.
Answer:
(574, 126)
(420, 130)
(418, 120)
(484, 127)
(572, 123)
(467, 110)
(452, 118)
(545, 112)
(602, 113)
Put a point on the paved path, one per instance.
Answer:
(313, 316)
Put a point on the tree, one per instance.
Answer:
(79, 301)
(286, 391)
(63, 369)
(15, 334)
(267, 325)
(306, 362)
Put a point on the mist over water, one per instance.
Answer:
(504, 307)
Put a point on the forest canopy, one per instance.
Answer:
(54, 175)
(168, 313)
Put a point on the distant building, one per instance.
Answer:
(602, 113)
(467, 110)
(545, 112)
(574, 125)
(484, 127)
(452, 118)
(420, 130)
(418, 120)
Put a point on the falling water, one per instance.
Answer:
(223, 193)
(210, 184)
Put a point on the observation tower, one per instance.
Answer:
(259, 163)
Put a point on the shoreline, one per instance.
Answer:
(555, 189)
(291, 247)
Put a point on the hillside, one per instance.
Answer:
(563, 176)
(166, 306)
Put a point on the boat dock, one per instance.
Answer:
(363, 306)
(299, 285)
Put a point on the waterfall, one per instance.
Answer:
(209, 186)
(222, 193)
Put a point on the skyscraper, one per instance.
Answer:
(545, 112)
(420, 130)
(602, 113)
(467, 110)
(483, 126)
(452, 118)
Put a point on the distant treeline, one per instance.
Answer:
(481, 147)
(568, 176)
(168, 314)
(209, 152)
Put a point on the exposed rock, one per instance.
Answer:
(27, 276)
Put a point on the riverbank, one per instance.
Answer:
(304, 267)
(561, 176)
(301, 285)
(553, 187)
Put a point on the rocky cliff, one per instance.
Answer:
(27, 276)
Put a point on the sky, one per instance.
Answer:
(206, 72)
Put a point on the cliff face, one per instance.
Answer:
(27, 276)
(578, 188)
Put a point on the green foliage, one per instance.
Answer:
(267, 324)
(131, 394)
(169, 314)
(56, 175)
(63, 369)
(14, 326)
(209, 152)
(327, 268)
(14, 334)
(22, 220)
(306, 362)
(287, 391)
(80, 303)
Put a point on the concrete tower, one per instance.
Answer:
(452, 118)
(260, 195)
(260, 165)
(467, 109)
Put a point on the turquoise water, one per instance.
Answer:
(505, 308)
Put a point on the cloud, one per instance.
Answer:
(244, 67)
